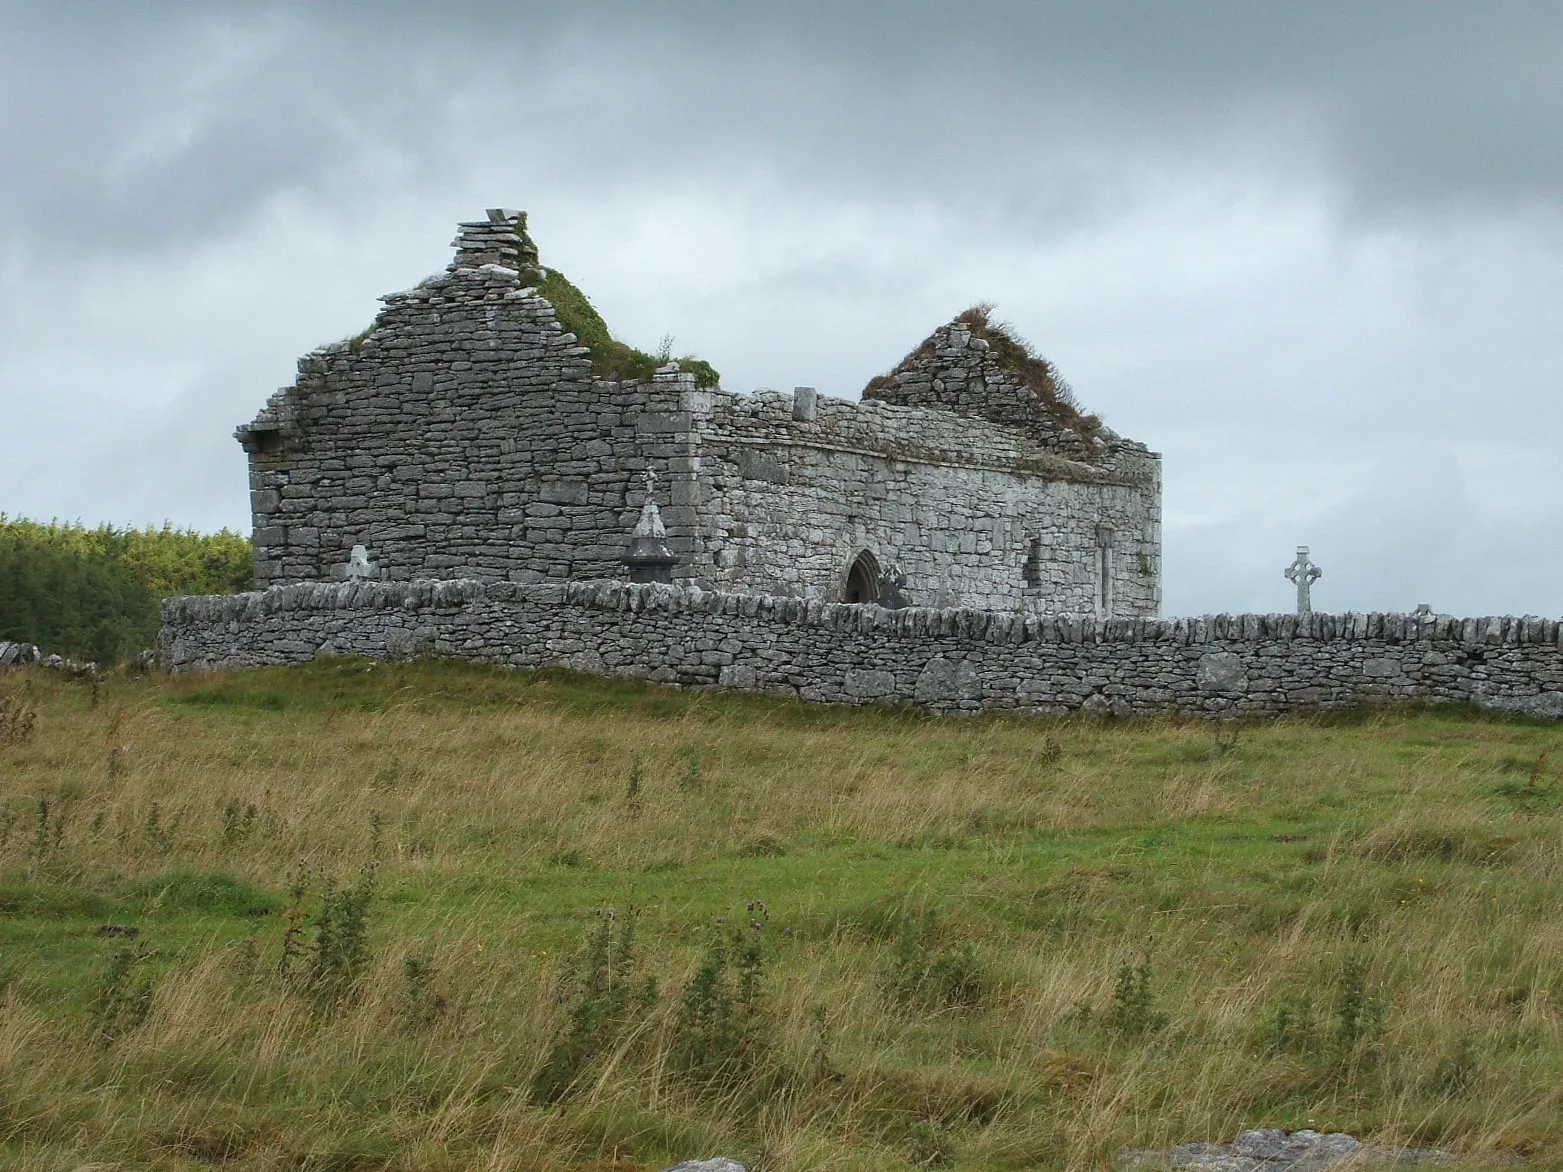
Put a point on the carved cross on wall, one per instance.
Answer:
(1305, 574)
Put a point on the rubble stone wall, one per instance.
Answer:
(971, 513)
(464, 436)
(951, 660)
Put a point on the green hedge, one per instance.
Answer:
(94, 593)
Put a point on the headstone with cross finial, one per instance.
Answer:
(1305, 574)
(649, 557)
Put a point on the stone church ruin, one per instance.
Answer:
(486, 473)
(473, 432)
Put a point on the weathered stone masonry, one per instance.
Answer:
(464, 435)
(950, 660)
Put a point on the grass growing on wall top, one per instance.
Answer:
(611, 358)
(94, 593)
(440, 917)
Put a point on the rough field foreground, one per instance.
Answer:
(354, 917)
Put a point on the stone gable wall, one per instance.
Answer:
(957, 370)
(944, 660)
(463, 436)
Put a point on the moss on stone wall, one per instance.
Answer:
(610, 357)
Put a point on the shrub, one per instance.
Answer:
(94, 593)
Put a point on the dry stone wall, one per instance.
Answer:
(951, 660)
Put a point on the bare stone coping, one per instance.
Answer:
(974, 625)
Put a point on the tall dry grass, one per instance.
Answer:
(1246, 877)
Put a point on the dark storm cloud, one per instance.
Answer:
(134, 126)
(1311, 252)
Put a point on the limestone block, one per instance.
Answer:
(943, 680)
(738, 675)
(1221, 671)
(861, 684)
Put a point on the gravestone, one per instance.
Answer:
(359, 568)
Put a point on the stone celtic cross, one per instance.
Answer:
(1305, 574)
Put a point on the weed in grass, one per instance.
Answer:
(724, 1027)
(607, 996)
(1360, 1013)
(47, 830)
(1225, 742)
(424, 1005)
(340, 950)
(294, 916)
(1456, 1071)
(1133, 1012)
(1532, 796)
(238, 822)
(246, 957)
(932, 1145)
(1294, 1027)
(691, 780)
(154, 830)
(121, 1003)
(1048, 750)
(822, 1068)
(18, 717)
(632, 788)
(925, 976)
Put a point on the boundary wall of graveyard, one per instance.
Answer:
(943, 660)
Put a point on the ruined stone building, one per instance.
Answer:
(487, 427)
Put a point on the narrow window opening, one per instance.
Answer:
(1031, 571)
(1104, 571)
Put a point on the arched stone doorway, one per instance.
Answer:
(862, 580)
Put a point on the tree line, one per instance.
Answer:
(96, 593)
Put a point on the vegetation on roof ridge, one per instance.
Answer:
(611, 358)
(1020, 358)
(1036, 371)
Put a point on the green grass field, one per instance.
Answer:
(358, 917)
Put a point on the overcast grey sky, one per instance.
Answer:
(1311, 252)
